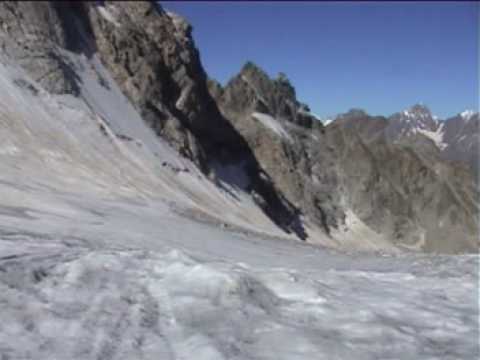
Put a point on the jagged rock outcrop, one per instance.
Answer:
(253, 90)
(284, 136)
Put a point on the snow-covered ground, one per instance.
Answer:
(92, 279)
(106, 254)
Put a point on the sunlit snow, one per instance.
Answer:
(467, 114)
(436, 136)
(107, 15)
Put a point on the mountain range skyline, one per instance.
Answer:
(381, 57)
(464, 113)
(467, 112)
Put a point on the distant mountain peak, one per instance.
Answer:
(355, 112)
(250, 66)
(467, 114)
(417, 110)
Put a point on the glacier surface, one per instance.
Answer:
(92, 279)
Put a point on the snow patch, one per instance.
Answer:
(467, 114)
(436, 136)
(272, 124)
(107, 15)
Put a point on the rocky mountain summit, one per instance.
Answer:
(282, 134)
(362, 182)
(416, 119)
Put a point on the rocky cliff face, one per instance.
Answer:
(284, 137)
(414, 198)
(428, 198)
(33, 34)
(151, 55)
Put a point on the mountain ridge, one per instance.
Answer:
(456, 137)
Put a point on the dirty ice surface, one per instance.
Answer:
(99, 258)
(93, 279)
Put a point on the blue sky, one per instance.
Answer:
(379, 56)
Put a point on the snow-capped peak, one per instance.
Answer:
(467, 114)
(417, 111)
(417, 117)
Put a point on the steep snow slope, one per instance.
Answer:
(99, 143)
